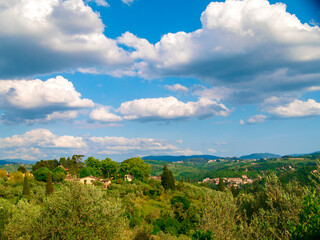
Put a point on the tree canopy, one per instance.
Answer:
(136, 167)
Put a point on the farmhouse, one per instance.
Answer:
(91, 179)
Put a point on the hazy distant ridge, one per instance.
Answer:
(178, 158)
(260, 155)
(18, 160)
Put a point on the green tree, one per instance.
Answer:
(109, 168)
(60, 169)
(136, 167)
(51, 164)
(26, 187)
(41, 174)
(86, 171)
(167, 179)
(49, 187)
(93, 163)
(22, 169)
(221, 185)
(75, 164)
(63, 162)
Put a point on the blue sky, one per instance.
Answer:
(136, 77)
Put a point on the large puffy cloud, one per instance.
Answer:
(42, 143)
(29, 100)
(170, 108)
(39, 37)
(252, 48)
(297, 108)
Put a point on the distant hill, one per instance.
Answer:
(308, 155)
(3, 162)
(17, 160)
(179, 158)
(260, 155)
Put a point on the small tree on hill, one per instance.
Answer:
(22, 169)
(167, 179)
(49, 188)
(221, 186)
(26, 187)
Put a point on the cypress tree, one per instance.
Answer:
(221, 186)
(167, 179)
(26, 187)
(49, 188)
(172, 181)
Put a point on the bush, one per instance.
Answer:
(142, 234)
(309, 219)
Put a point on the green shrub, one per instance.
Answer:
(309, 219)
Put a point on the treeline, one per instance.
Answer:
(91, 166)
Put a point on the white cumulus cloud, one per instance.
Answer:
(297, 108)
(249, 49)
(170, 108)
(28, 100)
(42, 143)
(39, 37)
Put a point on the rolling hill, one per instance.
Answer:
(168, 158)
(260, 156)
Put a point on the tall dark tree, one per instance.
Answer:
(26, 187)
(221, 185)
(63, 162)
(167, 179)
(49, 188)
(189, 179)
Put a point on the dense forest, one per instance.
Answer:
(49, 202)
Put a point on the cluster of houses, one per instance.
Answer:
(91, 180)
(236, 182)
(285, 168)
